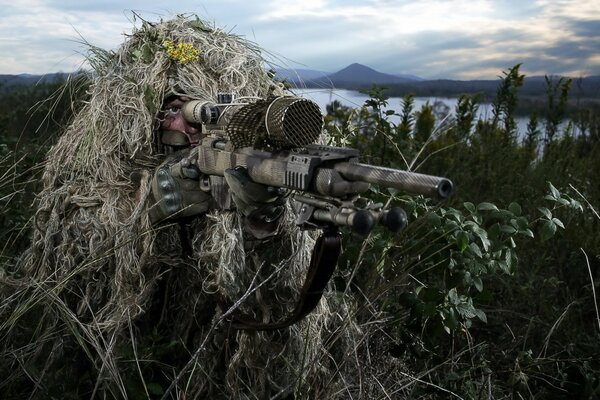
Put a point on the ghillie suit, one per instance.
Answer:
(108, 305)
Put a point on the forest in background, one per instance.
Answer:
(490, 294)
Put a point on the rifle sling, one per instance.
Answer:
(322, 264)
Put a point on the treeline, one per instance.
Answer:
(533, 92)
(588, 87)
(490, 294)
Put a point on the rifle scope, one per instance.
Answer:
(285, 122)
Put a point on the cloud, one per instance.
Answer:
(49, 39)
(430, 38)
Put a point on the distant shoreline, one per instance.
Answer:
(532, 97)
(587, 88)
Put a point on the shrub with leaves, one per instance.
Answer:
(468, 289)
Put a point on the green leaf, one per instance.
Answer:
(147, 53)
(478, 283)
(507, 229)
(462, 240)
(483, 236)
(475, 249)
(479, 232)
(522, 223)
(455, 214)
(487, 207)
(136, 53)
(470, 207)
(450, 320)
(515, 208)
(558, 222)
(434, 220)
(466, 309)
(547, 230)
(527, 232)
(453, 297)
(547, 213)
(452, 263)
(149, 96)
(554, 191)
(199, 25)
(510, 259)
(576, 205)
(494, 231)
(504, 267)
(481, 315)
(485, 243)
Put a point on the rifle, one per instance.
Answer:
(274, 139)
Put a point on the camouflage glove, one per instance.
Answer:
(261, 205)
(177, 191)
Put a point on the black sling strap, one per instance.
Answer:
(322, 264)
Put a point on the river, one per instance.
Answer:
(352, 98)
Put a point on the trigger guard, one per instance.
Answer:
(204, 183)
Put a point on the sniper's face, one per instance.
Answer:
(175, 130)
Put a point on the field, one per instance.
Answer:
(491, 294)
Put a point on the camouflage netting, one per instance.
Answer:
(104, 304)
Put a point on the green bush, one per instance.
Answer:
(489, 293)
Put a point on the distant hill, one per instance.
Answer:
(588, 87)
(294, 75)
(410, 77)
(29, 79)
(354, 75)
(361, 74)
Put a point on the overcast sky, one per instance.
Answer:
(459, 39)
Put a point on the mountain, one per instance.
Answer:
(358, 74)
(353, 76)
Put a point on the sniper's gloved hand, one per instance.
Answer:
(261, 205)
(176, 189)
